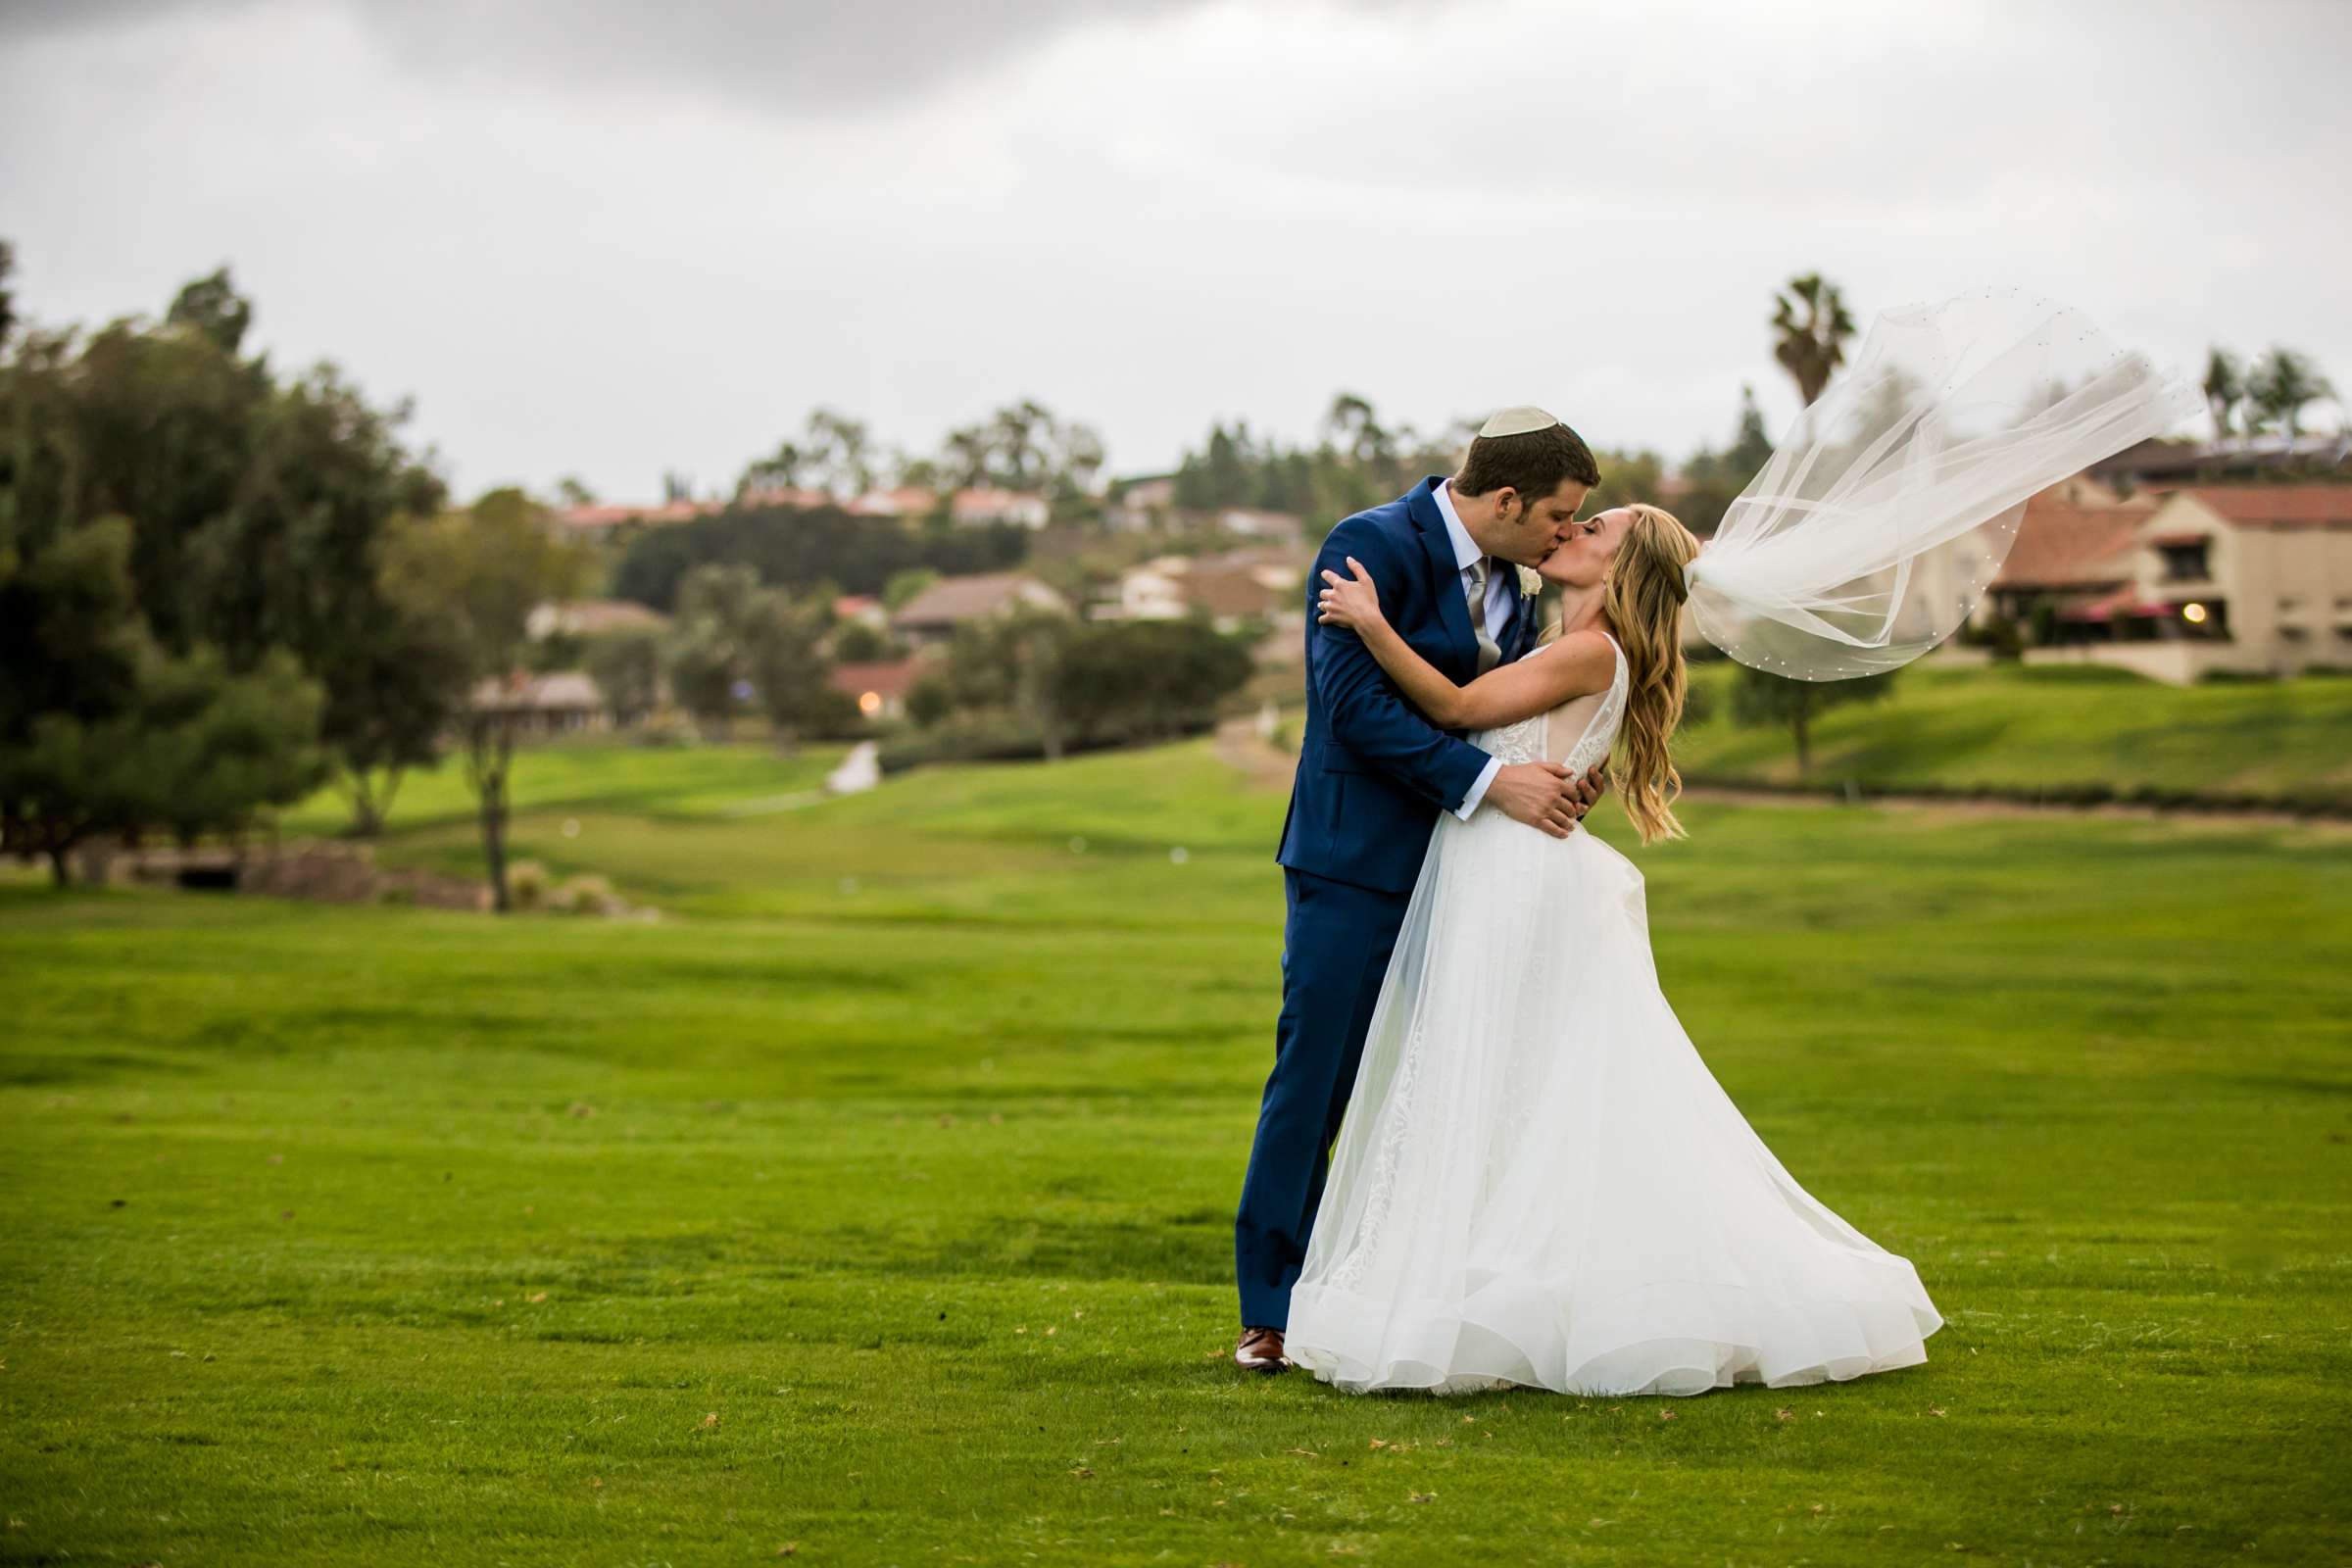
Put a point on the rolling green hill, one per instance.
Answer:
(875, 1202)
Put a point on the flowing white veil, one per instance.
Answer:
(1875, 528)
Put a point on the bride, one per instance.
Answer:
(1537, 1181)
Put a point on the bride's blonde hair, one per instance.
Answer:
(1642, 598)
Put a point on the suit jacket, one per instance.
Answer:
(1373, 772)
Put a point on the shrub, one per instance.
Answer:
(976, 738)
(668, 727)
(587, 894)
(527, 884)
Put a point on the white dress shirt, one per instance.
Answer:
(1503, 581)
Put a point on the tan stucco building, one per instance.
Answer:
(2253, 579)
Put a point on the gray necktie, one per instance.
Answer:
(1488, 655)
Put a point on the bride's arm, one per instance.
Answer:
(1581, 663)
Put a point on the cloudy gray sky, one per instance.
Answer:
(610, 238)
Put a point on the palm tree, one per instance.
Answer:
(1812, 348)
(2225, 389)
(2284, 380)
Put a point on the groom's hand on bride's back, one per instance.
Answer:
(1544, 795)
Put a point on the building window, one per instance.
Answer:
(2184, 562)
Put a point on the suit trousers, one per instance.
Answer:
(1335, 943)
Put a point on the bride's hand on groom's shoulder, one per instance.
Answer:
(1352, 601)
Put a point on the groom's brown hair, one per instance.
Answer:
(1534, 462)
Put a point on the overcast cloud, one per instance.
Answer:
(607, 238)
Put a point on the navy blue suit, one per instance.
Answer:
(1373, 775)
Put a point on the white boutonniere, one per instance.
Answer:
(1531, 582)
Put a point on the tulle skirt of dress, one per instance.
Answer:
(1540, 1183)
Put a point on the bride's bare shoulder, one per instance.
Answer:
(1587, 660)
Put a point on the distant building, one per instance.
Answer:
(2072, 549)
(971, 507)
(1231, 590)
(545, 704)
(795, 497)
(861, 609)
(2254, 580)
(1151, 490)
(600, 518)
(1254, 523)
(908, 501)
(878, 689)
(1144, 503)
(593, 617)
(2169, 465)
(932, 615)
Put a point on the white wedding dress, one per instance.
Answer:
(1537, 1181)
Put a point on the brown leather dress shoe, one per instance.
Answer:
(1260, 1350)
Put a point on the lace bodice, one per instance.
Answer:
(1577, 733)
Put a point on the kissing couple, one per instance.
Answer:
(1536, 1180)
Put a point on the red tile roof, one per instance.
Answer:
(2279, 505)
(2062, 544)
(805, 500)
(587, 519)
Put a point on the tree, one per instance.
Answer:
(211, 304)
(1147, 680)
(734, 637)
(329, 483)
(482, 571)
(573, 491)
(392, 688)
(788, 666)
(839, 453)
(1354, 431)
(2282, 382)
(8, 312)
(1025, 447)
(102, 730)
(1005, 667)
(1222, 474)
(1065, 683)
(799, 548)
(76, 651)
(626, 666)
(780, 470)
(252, 516)
(707, 655)
(2225, 389)
(1760, 698)
(216, 746)
(1712, 480)
(1811, 346)
(258, 510)
(859, 643)
(1625, 477)
(1751, 447)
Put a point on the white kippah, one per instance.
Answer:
(1518, 421)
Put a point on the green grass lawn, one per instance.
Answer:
(2015, 730)
(876, 1201)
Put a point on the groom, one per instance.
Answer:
(1373, 775)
